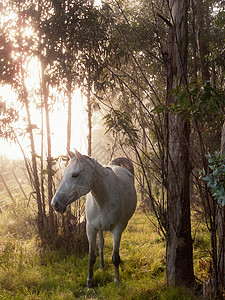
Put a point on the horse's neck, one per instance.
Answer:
(99, 189)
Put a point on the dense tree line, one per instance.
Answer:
(157, 69)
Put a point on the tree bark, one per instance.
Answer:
(202, 37)
(179, 254)
(221, 228)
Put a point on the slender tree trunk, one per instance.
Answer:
(221, 228)
(67, 218)
(195, 52)
(42, 117)
(30, 129)
(42, 157)
(179, 256)
(89, 107)
(49, 153)
(69, 91)
(34, 163)
(202, 37)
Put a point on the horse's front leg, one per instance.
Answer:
(116, 257)
(91, 234)
(100, 246)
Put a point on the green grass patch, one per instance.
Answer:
(26, 272)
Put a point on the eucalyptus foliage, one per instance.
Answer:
(199, 102)
(215, 180)
(118, 121)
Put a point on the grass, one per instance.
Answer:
(28, 273)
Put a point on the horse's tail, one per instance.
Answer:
(123, 162)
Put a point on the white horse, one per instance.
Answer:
(111, 201)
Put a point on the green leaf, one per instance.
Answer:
(160, 108)
(216, 179)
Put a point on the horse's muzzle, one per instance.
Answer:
(58, 207)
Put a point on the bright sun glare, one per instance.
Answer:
(58, 119)
(58, 116)
(58, 127)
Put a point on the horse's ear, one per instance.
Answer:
(78, 155)
(71, 154)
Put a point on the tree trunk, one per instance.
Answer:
(30, 130)
(89, 108)
(69, 91)
(42, 156)
(49, 155)
(195, 46)
(34, 164)
(67, 228)
(42, 120)
(202, 37)
(179, 254)
(221, 228)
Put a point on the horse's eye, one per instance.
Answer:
(75, 175)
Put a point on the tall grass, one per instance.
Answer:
(28, 272)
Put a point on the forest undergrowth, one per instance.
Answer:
(28, 272)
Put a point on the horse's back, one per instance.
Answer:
(123, 162)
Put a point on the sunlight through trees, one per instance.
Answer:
(141, 79)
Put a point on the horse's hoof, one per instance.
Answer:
(90, 283)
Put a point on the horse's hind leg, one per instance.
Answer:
(100, 246)
(91, 234)
(116, 256)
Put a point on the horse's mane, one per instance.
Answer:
(123, 162)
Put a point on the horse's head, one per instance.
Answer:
(77, 181)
